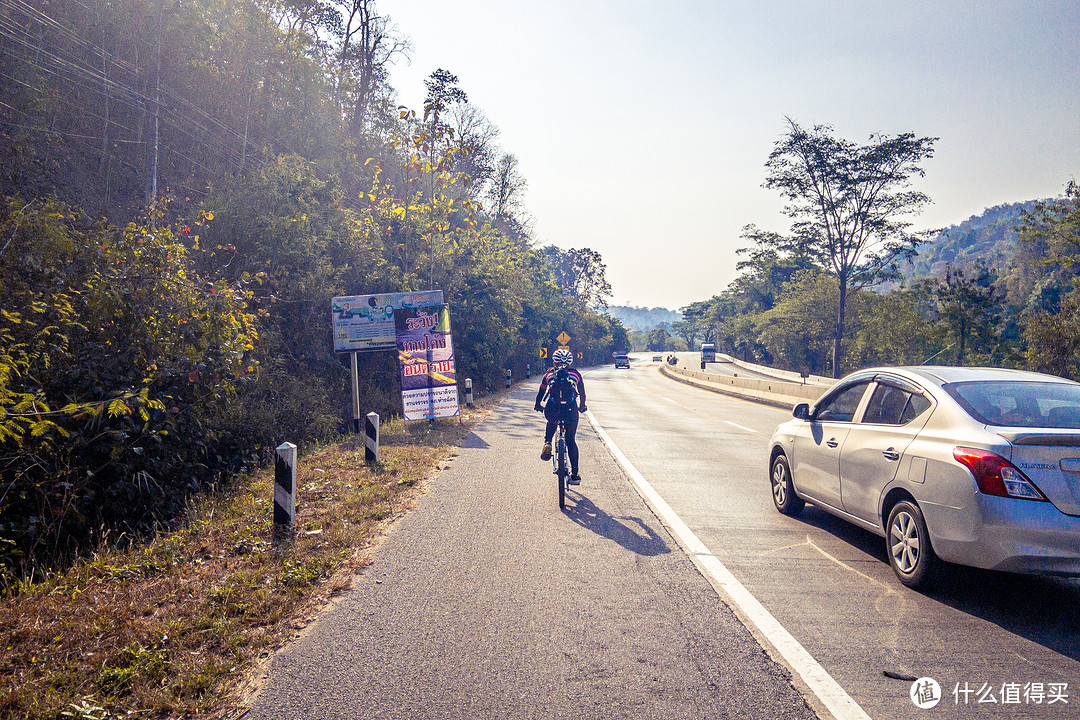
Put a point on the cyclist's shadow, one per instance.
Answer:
(585, 513)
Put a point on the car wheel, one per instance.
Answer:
(908, 543)
(783, 492)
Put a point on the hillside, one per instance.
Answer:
(989, 237)
(643, 318)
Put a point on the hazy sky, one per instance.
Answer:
(642, 127)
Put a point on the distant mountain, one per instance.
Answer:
(990, 237)
(642, 318)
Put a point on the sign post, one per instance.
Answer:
(355, 393)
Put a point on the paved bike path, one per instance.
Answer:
(487, 601)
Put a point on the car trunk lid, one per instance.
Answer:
(1052, 461)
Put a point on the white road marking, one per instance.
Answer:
(741, 427)
(834, 697)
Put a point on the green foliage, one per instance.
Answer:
(143, 360)
(969, 308)
(990, 238)
(1007, 304)
(117, 363)
(798, 329)
(1050, 234)
(658, 340)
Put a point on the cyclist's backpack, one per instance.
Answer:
(563, 390)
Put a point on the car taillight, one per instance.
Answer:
(997, 476)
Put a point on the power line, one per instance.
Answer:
(72, 135)
(54, 51)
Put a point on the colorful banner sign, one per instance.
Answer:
(366, 322)
(426, 361)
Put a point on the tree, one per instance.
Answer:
(442, 94)
(374, 47)
(845, 200)
(1050, 234)
(506, 194)
(581, 274)
(687, 329)
(895, 328)
(658, 339)
(969, 305)
(796, 331)
(1053, 339)
(474, 138)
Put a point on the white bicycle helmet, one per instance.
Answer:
(562, 358)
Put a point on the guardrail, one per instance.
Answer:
(778, 393)
(824, 382)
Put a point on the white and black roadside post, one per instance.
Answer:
(468, 392)
(371, 438)
(285, 488)
(507, 378)
(528, 371)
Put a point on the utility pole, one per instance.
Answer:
(151, 185)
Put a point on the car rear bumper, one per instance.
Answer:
(1006, 534)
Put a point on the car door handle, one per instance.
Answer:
(831, 442)
(890, 454)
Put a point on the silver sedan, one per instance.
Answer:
(975, 466)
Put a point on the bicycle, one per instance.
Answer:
(560, 462)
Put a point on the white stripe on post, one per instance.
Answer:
(507, 378)
(285, 486)
(371, 438)
(468, 392)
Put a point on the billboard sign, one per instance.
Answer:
(366, 322)
(426, 362)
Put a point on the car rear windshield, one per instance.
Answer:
(1020, 404)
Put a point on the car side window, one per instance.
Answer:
(916, 406)
(894, 404)
(842, 406)
(886, 405)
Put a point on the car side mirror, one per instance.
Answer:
(801, 411)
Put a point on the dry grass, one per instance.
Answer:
(174, 627)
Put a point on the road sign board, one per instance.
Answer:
(366, 322)
(543, 353)
(563, 338)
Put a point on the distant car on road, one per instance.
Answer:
(975, 466)
(658, 358)
(622, 361)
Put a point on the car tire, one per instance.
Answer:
(783, 490)
(907, 543)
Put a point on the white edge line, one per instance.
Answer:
(741, 427)
(817, 679)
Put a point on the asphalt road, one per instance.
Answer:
(487, 601)
(830, 584)
(692, 360)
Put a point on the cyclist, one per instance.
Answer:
(565, 392)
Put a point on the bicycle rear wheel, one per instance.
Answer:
(561, 472)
